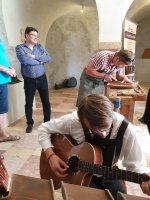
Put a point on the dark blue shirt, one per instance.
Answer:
(32, 67)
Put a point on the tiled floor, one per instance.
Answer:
(22, 157)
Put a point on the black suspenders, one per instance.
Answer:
(119, 139)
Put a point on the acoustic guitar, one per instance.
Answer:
(84, 160)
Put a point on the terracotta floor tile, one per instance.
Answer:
(28, 142)
(13, 163)
(6, 145)
(30, 167)
(22, 153)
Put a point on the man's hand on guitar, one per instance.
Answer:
(145, 186)
(58, 166)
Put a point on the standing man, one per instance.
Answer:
(32, 57)
(6, 72)
(100, 69)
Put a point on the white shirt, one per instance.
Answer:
(131, 155)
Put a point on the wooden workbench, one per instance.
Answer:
(128, 97)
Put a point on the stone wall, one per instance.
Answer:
(142, 66)
(70, 44)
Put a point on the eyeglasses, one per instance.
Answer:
(101, 131)
(34, 35)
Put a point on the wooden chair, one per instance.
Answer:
(4, 178)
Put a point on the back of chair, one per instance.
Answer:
(4, 178)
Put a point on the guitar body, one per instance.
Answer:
(65, 149)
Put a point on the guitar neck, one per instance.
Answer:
(113, 172)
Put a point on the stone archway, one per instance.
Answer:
(139, 12)
(45, 16)
(71, 40)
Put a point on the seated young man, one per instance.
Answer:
(96, 122)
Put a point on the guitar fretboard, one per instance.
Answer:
(112, 172)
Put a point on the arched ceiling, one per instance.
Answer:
(138, 10)
(40, 13)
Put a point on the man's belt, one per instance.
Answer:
(25, 77)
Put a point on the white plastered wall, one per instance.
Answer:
(45, 14)
(104, 25)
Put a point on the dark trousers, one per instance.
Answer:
(30, 87)
(114, 186)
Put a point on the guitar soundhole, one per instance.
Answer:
(73, 163)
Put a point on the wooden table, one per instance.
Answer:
(127, 96)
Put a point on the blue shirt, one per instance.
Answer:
(31, 67)
(4, 78)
